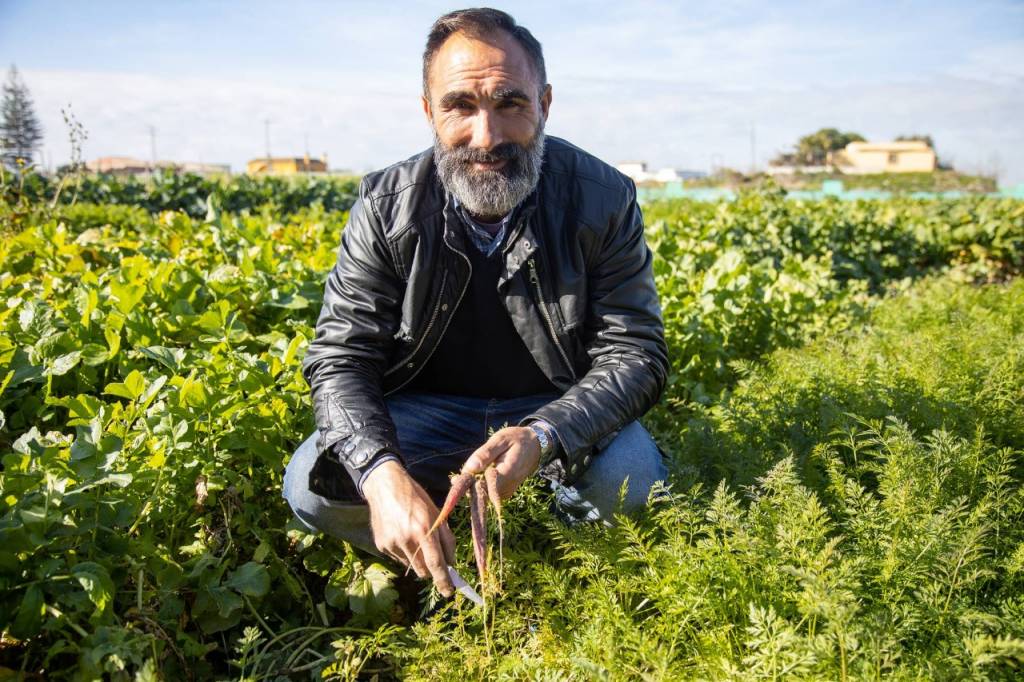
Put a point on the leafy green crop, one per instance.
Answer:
(850, 507)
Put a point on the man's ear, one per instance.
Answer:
(426, 109)
(545, 101)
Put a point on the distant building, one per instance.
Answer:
(885, 157)
(286, 165)
(126, 165)
(122, 165)
(204, 168)
(637, 171)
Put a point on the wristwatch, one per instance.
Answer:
(545, 440)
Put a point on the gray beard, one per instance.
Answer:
(490, 193)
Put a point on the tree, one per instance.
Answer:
(927, 139)
(813, 149)
(20, 132)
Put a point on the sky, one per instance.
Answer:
(691, 85)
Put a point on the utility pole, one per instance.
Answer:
(152, 149)
(753, 148)
(266, 132)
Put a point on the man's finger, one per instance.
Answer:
(436, 564)
(507, 484)
(447, 543)
(414, 559)
(484, 455)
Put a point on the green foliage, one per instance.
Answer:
(852, 507)
(846, 547)
(194, 194)
(739, 279)
(902, 183)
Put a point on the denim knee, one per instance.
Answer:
(348, 521)
(632, 458)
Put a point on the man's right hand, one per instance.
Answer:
(401, 513)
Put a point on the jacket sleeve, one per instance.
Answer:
(625, 341)
(346, 360)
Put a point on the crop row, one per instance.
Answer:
(150, 394)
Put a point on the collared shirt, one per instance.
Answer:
(487, 240)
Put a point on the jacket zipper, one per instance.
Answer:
(535, 279)
(426, 332)
(430, 324)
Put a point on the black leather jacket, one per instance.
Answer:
(577, 283)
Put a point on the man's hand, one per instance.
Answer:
(401, 513)
(515, 453)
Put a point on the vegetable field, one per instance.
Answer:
(845, 420)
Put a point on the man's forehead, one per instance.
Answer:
(494, 60)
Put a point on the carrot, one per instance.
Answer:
(491, 479)
(478, 523)
(491, 476)
(461, 484)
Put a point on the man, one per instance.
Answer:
(493, 303)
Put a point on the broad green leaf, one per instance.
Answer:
(152, 390)
(293, 348)
(98, 586)
(94, 354)
(119, 480)
(27, 316)
(81, 408)
(131, 388)
(322, 561)
(29, 619)
(171, 358)
(6, 380)
(64, 364)
(113, 337)
(251, 579)
(371, 595)
(227, 601)
(127, 294)
(336, 590)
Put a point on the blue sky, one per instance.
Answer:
(672, 83)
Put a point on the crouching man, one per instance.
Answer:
(493, 302)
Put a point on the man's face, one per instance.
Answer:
(487, 113)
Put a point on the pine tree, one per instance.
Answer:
(20, 131)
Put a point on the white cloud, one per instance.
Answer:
(672, 84)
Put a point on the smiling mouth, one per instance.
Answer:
(490, 165)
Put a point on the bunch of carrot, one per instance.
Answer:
(480, 489)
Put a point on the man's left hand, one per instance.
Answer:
(515, 453)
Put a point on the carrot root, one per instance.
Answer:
(491, 479)
(478, 523)
(461, 484)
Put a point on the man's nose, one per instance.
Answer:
(486, 130)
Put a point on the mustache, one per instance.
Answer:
(505, 151)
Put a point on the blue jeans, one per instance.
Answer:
(436, 433)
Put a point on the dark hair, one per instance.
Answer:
(480, 22)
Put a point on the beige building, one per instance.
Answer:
(126, 165)
(885, 157)
(286, 165)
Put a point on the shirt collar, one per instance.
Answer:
(481, 238)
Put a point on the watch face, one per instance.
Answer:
(542, 438)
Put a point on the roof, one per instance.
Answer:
(295, 159)
(906, 146)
